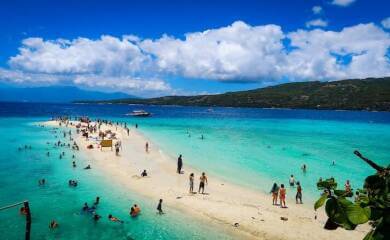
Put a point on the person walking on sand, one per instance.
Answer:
(203, 181)
(159, 207)
(282, 196)
(146, 147)
(192, 183)
(275, 192)
(298, 196)
(179, 164)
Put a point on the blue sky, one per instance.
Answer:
(251, 38)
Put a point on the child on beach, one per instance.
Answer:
(275, 192)
(282, 196)
(192, 183)
(203, 181)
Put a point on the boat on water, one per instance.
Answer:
(139, 113)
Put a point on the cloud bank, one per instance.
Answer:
(238, 52)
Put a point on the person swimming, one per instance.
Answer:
(41, 182)
(303, 168)
(23, 210)
(72, 183)
(74, 164)
(97, 200)
(114, 219)
(144, 173)
(85, 207)
(135, 210)
(159, 207)
(53, 224)
(96, 216)
(275, 193)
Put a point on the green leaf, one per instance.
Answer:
(335, 210)
(340, 193)
(327, 184)
(369, 235)
(320, 201)
(357, 214)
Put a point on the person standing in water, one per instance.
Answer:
(192, 183)
(159, 207)
(298, 196)
(347, 186)
(179, 164)
(203, 181)
(292, 181)
(282, 196)
(275, 192)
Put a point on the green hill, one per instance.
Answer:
(353, 94)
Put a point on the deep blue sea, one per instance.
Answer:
(250, 147)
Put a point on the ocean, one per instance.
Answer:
(246, 146)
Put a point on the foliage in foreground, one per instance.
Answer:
(371, 205)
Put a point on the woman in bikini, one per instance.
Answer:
(275, 193)
(282, 196)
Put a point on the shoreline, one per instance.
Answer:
(226, 203)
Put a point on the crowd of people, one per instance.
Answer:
(135, 210)
(278, 192)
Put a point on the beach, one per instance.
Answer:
(224, 203)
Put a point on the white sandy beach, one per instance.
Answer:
(223, 205)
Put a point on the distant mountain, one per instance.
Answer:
(55, 94)
(353, 94)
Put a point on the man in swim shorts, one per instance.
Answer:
(203, 181)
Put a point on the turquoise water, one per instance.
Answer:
(19, 174)
(258, 152)
(250, 147)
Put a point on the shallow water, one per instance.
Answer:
(251, 147)
(19, 174)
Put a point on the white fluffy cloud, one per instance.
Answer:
(317, 23)
(317, 9)
(342, 3)
(107, 55)
(238, 52)
(386, 23)
(355, 52)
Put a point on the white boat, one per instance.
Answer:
(139, 113)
